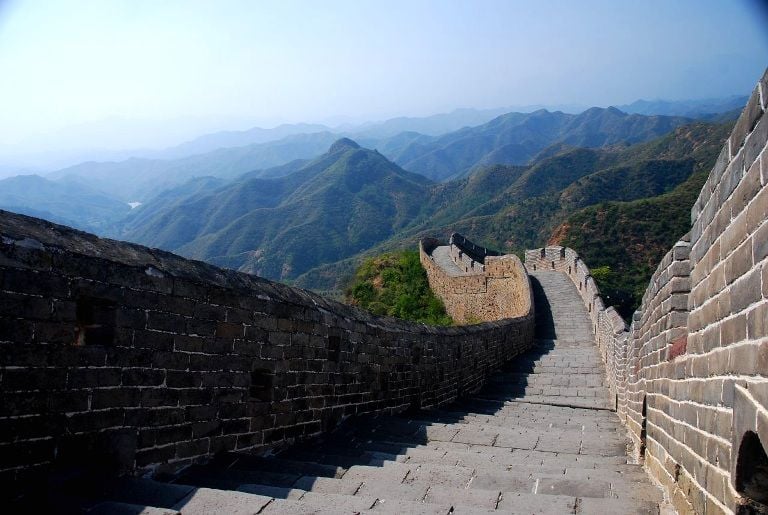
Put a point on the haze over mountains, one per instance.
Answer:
(302, 204)
(512, 138)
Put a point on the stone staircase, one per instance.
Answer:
(540, 438)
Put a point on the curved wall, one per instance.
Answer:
(136, 360)
(499, 289)
(691, 373)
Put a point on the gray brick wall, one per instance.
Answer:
(691, 373)
(135, 360)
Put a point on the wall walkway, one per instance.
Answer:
(690, 376)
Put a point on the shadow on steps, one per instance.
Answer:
(545, 323)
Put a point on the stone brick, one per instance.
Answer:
(154, 417)
(35, 282)
(142, 377)
(757, 212)
(760, 243)
(746, 291)
(746, 121)
(756, 142)
(94, 377)
(739, 262)
(733, 330)
(229, 330)
(757, 322)
(765, 281)
(154, 340)
(182, 379)
(166, 322)
(155, 397)
(115, 398)
(15, 379)
(95, 420)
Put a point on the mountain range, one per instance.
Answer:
(512, 138)
(312, 221)
(307, 207)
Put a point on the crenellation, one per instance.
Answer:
(497, 288)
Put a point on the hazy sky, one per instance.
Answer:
(64, 63)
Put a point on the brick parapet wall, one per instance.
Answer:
(501, 291)
(691, 374)
(137, 360)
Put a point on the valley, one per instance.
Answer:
(307, 207)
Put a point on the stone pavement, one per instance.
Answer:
(540, 438)
(443, 259)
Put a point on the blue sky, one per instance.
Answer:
(238, 63)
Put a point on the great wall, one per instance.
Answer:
(135, 381)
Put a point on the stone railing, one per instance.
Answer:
(691, 375)
(501, 290)
(135, 360)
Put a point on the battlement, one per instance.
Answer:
(476, 284)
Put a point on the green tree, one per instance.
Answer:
(395, 284)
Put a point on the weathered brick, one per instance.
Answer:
(94, 377)
(756, 141)
(114, 398)
(68, 401)
(197, 327)
(16, 379)
(142, 417)
(129, 357)
(733, 330)
(739, 262)
(179, 379)
(205, 311)
(154, 397)
(757, 322)
(133, 318)
(746, 290)
(95, 420)
(166, 322)
(195, 396)
(746, 121)
(760, 244)
(170, 360)
(154, 340)
(35, 282)
(757, 211)
(143, 377)
(229, 330)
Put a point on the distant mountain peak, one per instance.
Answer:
(342, 145)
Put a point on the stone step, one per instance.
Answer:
(207, 501)
(120, 508)
(401, 506)
(134, 491)
(232, 479)
(285, 466)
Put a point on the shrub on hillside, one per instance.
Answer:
(395, 284)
